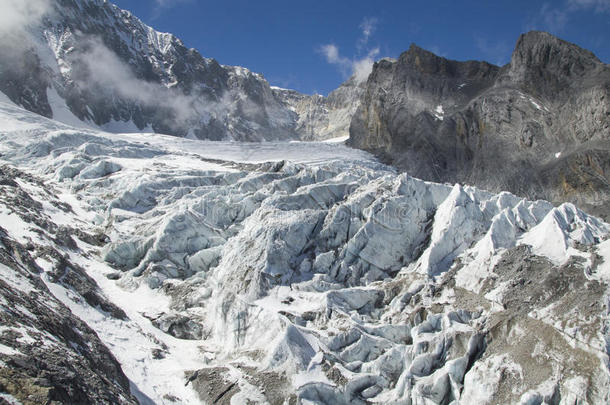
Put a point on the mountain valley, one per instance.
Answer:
(177, 231)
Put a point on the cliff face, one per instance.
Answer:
(538, 126)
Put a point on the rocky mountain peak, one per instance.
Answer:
(547, 65)
(537, 126)
(151, 82)
(538, 48)
(320, 117)
(422, 60)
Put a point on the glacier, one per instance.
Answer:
(301, 272)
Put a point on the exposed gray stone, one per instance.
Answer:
(538, 127)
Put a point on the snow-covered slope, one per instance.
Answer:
(283, 271)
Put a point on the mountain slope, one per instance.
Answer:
(539, 126)
(88, 60)
(304, 271)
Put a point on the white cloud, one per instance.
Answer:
(600, 6)
(368, 27)
(362, 68)
(331, 52)
(116, 76)
(435, 49)
(169, 3)
(556, 16)
(359, 66)
(16, 15)
(555, 19)
(162, 5)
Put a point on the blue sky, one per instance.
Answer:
(312, 46)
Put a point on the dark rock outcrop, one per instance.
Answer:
(539, 126)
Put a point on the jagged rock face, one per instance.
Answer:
(324, 117)
(91, 61)
(539, 126)
(326, 277)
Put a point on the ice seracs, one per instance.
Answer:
(312, 272)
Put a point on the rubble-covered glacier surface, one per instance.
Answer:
(300, 273)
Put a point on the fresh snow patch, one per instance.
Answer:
(536, 104)
(9, 351)
(603, 269)
(339, 139)
(17, 227)
(280, 88)
(133, 340)
(11, 400)
(61, 112)
(4, 99)
(439, 113)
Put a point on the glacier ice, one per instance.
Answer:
(312, 271)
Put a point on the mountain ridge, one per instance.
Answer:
(525, 127)
(90, 61)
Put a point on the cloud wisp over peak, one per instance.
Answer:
(361, 64)
(368, 27)
(600, 6)
(358, 67)
(555, 16)
(163, 5)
